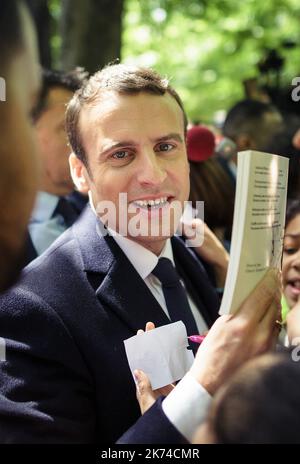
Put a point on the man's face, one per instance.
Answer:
(19, 167)
(291, 261)
(52, 143)
(136, 145)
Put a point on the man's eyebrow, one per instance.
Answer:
(171, 136)
(108, 147)
(292, 235)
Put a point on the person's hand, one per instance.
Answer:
(293, 324)
(233, 339)
(211, 250)
(144, 393)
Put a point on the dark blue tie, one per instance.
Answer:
(175, 295)
(66, 210)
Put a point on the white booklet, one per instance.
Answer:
(258, 224)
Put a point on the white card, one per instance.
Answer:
(161, 353)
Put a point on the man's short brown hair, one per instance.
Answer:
(119, 78)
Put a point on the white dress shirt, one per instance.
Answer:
(43, 228)
(186, 406)
(144, 261)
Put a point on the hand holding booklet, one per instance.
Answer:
(258, 224)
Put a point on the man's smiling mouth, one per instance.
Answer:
(153, 203)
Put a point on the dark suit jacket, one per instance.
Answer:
(30, 251)
(66, 378)
(152, 428)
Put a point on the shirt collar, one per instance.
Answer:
(142, 259)
(45, 205)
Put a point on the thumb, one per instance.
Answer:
(143, 384)
(144, 392)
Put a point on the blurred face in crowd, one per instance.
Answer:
(135, 144)
(19, 170)
(260, 134)
(52, 144)
(291, 261)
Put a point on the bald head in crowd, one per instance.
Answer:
(19, 172)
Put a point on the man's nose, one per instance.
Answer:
(151, 169)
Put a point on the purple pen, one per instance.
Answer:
(197, 338)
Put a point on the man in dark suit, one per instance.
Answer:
(53, 212)
(66, 378)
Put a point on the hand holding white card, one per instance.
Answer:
(161, 353)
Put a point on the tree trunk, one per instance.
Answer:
(91, 33)
(41, 16)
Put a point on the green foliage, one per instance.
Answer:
(209, 47)
(55, 41)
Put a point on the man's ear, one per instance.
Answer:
(79, 174)
(245, 142)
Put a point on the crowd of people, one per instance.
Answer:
(76, 279)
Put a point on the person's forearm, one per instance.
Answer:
(220, 268)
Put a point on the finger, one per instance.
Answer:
(189, 230)
(143, 384)
(197, 226)
(194, 223)
(276, 304)
(268, 330)
(267, 340)
(144, 393)
(198, 222)
(150, 326)
(271, 316)
(260, 299)
(165, 390)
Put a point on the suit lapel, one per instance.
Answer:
(119, 287)
(115, 281)
(125, 292)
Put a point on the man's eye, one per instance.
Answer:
(290, 251)
(164, 147)
(120, 155)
